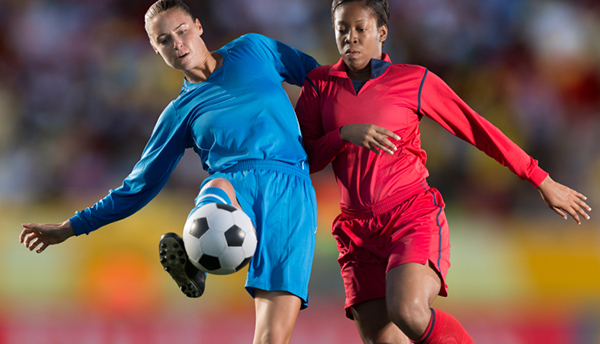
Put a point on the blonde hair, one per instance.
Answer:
(162, 6)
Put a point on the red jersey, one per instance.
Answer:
(396, 99)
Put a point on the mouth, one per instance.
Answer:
(351, 53)
(182, 56)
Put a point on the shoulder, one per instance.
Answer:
(408, 70)
(319, 73)
(407, 74)
(250, 44)
(171, 110)
(250, 39)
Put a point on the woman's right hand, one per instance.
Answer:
(44, 234)
(369, 136)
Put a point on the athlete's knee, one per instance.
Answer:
(220, 183)
(272, 337)
(410, 315)
(224, 185)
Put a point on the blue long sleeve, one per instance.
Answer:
(241, 112)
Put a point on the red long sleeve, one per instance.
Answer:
(396, 100)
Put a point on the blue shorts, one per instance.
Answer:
(281, 201)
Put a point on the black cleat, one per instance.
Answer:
(174, 260)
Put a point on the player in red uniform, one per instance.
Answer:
(392, 233)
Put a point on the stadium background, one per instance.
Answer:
(80, 90)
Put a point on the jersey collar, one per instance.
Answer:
(378, 67)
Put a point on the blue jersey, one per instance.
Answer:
(240, 113)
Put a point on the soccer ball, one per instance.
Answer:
(219, 238)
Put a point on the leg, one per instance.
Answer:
(276, 313)
(224, 185)
(374, 325)
(411, 288)
(173, 257)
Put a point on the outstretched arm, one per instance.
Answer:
(564, 200)
(36, 234)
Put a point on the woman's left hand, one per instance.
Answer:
(370, 136)
(564, 200)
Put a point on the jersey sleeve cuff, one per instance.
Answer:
(538, 176)
(77, 224)
(335, 141)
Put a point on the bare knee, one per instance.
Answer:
(272, 337)
(410, 316)
(220, 183)
(373, 324)
(226, 186)
(410, 290)
(276, 313)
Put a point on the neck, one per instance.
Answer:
(204, 70)
(362, 74)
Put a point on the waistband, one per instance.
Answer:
(300, 169)
(386, 204)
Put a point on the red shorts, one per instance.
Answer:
(414, 231)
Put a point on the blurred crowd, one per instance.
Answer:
(81, 88)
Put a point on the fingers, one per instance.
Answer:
(560, 212)
(31, 238)
(384, 142)
(43, 248)
(387, 133)
(582, 208)
(574, 215)
(32, 234)
(25, 233)
(381, 141)
(564, 200)
(34, 243)
(376, 146)
(575, 209)
(578, 206)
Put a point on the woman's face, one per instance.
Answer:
(357, 36)
(175, 36)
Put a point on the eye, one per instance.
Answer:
(162, 40)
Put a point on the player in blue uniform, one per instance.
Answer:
(234, 113)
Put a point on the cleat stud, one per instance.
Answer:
(163, 245)
(172, 256)
(163, 259)
(182, 288)
(176, 245)
(167, 268)
(163, 252)
(180, 253)
(181, 260)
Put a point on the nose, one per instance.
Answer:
(177, 43)
(352, 37)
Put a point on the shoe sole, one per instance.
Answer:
(174, 260)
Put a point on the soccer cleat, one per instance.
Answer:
(175, 261)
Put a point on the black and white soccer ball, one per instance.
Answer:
(219, 238)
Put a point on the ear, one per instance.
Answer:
(199, 26)
(383, 32)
